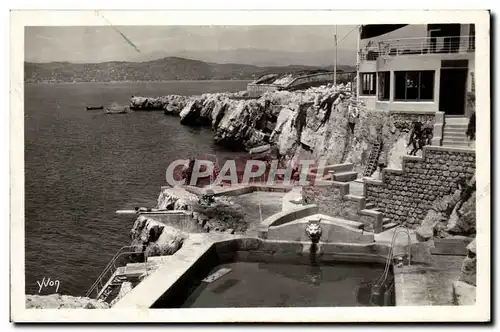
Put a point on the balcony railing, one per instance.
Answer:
(420, 45)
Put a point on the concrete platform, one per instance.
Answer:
(427, 285)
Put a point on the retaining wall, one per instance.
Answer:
(406, 195)
(333, 199)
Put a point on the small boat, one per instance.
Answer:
(116, 110)
(92, 108)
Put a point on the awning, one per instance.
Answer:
(374, 30)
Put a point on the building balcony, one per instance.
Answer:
(419, 46)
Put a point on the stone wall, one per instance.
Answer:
(327, 197)
(405, 195)
(404, 120)
(333, 199)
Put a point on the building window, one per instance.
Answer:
(368, 84)
(414, 85)
(384, 85)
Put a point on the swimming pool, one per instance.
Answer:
(285, 279)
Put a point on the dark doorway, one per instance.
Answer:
(452, 89)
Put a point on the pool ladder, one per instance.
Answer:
(114, 273)
(375, 293)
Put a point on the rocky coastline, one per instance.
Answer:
(316, 123)
(309, 124)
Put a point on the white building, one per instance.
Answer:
(429, 69)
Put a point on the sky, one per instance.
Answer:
(98, 44)
(260, 45)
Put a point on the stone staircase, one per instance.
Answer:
(346, 199)
(356, 188)
(342, 172)
(386, 222)
(454, 132)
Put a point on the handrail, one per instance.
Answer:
(380, 282)
(111, 264)
(397, 230)
(420, 45)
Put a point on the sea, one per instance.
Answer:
(81, 166)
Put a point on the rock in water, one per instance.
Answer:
(191, 113)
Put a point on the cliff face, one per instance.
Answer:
(312, 124)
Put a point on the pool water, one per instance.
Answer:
(277, 284)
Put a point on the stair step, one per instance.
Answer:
(341, 168)
(372, 206)
(455, 131)
(455, 135)
(455, 127)
(356, 188)
(458, 119)
(455, 145)
(345, 176)
(455, 140)
(389, 225)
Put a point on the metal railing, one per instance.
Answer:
(390, 256)
(101, 283)
(369, 53)
(420, 45)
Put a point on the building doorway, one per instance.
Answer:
(452, 91)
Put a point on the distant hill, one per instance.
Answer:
(258, 57)
(164, 69)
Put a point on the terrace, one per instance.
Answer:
(419, 46)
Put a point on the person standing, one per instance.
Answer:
(352, 115)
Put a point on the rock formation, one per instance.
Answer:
(175, 198)
(453, 214)
(155, 238)
(220, 215)
(464, 289)
(57, 301)
(311, 123)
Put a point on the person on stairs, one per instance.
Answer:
(416, 138)
(352, 116)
